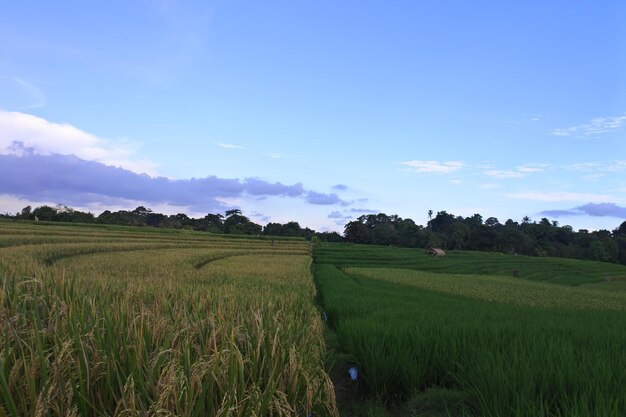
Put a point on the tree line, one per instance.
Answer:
(447, 231)
(444, 230)
(231, 222)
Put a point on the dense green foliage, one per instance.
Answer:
(540, 354)
(543, 238)
(232, 222)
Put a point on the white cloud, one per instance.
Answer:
(434, 166)
(597, 126)
(228, 146)
(534, 167)
(595, 166)
(593, 177)
(519, 172)
(584, 166)
(616, 166)
(504, 173)
(46, 137)
(562, 196)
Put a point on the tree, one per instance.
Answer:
(179, 221)
(441, 220)
(330, 237)
(598, 252)
(409, 234)
(384, 234)
(621, 230)
(155, 219)
(457, 235)
(292, 229)
(492, 222)
(141, 211)
(621, 249)
(475, 221)
(26, 213)
(247, 228)
(237, 223)
(211, 223)
(46, 213)
(356, 232)
(273, 229)
(232, 212)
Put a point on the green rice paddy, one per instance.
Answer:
(486, 343)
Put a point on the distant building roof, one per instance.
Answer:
(436, 252)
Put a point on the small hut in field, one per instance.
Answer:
(436, 252)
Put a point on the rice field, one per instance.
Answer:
(456, 337)
(572, 272)
(120, 321)
(136, 322)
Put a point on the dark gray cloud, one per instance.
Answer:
(339, 217)
(260, 216)
(560, 213)
(363, 210)
(336, 215)
(255, 186)
(590, 209)
(343, 217)
(603, 209)
(74, 181)
(340, 187)
(324, 199)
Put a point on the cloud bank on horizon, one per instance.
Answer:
(45, 161)
(76, 181)
(591, 209)
(49, 161)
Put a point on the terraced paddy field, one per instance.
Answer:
(119, 321)
(461, 336)
(114, 321)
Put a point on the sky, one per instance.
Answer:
(317, 112)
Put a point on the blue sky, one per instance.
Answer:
(317, 111)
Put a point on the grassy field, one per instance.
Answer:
(136, 322)
(554, 270)
(460, 336)
(119, 321)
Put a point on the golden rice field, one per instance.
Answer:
(125, 322)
